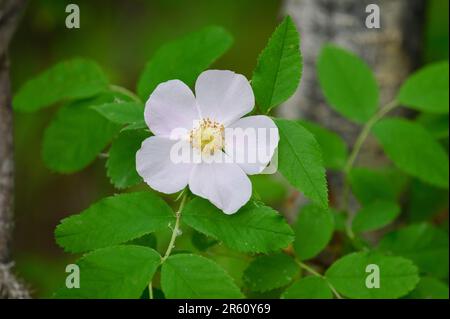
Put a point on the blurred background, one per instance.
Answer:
(121, 36)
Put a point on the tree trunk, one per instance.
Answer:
(10, 286)
(392, 51)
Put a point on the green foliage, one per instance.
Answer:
(279, 67)
(114, 272)
(436, 124)
(427, 89)
(195, 277)
(270, 272)
(369, 185)
(122, 113)
(78, 134)
(375, 215)
(348, 275)
(348, 84)
(184, 59)
(425, 245)
(425, 201)
(254, 228)
(113, 220)
(121, 163)
(413, 150)
(334, 149)
(310, 287)
(300, 161)
(72, 79)
(429, 288)
(313, 231)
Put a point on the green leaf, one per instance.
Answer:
(72, 79)
(190, 276)
(121, 113)
(425, 201)
(271, 188)
(279, 68)
(141, 125)
(348, 84)
(427, 89)
(425, 245)
(375, 215)
(184, 59)
(148, 240)
(310, 287)
(348, 275)
(413, 150)
(334, 149)
(270, 272)
(201, 241)
(369, 185)
(121, 163)
(313, 230)
(300, 161)
(77, 135)
(429, 288)
(114, 220)
(114, 272)
(436, 124)
(254, 228)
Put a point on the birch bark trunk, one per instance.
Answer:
(10, 286)
(392, 51)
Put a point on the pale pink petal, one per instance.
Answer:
(160, 169)
(251, 142)
(223, 184)
(170, 107)
(223, 96)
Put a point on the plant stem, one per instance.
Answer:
(355, 152)
(176, 227)
(315, 273)
(150, 290)
(125, 91)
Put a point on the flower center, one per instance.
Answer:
(208, 137)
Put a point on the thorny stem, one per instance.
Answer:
(354, 154)
(176, 228)
(315, 273)
(125, 91)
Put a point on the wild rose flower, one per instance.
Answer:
(200, 125)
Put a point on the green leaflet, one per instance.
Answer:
(375, 215)
(121, 163)
(429, 288)
(72, 79)
(114, 220)
(427, 89)
(194, 277)
(413, 150)
(300, 161)
(425, 245)
(369, 185)
(310, 287)
(278, 71)
(114, 272)
(78, 134)
(348, 83)
(313, 230)
(348, 275)
(270, 272)
(184, 59)
(425, 201)
(334, 149)
(436, 124)
(254, 228)
(121, 113)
